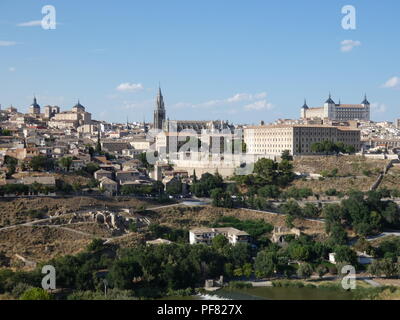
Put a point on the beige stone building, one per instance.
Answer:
(338, 111)
(205, 235)
(109, 186)
(71, 119)
(298, 139)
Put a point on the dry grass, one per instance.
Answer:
(16, 211)
(342, 184)
(40, 243)
(95, 229)
(346, 165)
(392, 179)
(188, 217)
(351, 172)
(388, 282)
(377, 242)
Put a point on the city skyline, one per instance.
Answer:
(209, 65)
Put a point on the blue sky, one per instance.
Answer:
(242, 61)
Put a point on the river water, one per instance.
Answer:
(272, 293)
(284, 293)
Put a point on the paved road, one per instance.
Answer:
(166, 206)
(372, 282)
(395, 233)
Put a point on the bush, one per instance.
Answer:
(36, 294)
(291, 208)
(322, 270)
(331, 192)
(112, 294)
(305, 270)
(20, 289)
(333, 269)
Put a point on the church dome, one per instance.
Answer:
(35, 104)
(78, 106)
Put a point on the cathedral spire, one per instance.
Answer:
(366, 102)
(160, 99)
(305, 106)
(330, 101)
(159, 112)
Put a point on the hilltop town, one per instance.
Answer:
(296, 198)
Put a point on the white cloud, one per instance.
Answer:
(239, 97)
(393, 82)
(7, 43)
(129, 87)
(377, 107)
(11, 69)
(259, 105)
(33, 23)
(348, 45)
(246, 97)
(236, 98)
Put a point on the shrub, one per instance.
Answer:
(36, 294)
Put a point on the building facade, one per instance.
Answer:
(338, 112)
(298, 139)
(161, 123)
(205, 235)
(51, 111)
(197, 126)
(71, 119)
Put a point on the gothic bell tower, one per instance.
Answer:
(159, 112)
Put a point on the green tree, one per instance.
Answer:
(36, 294)
(91, 168)
(299, 251)
(220, 242)
(384, 267)
(286, 155)
(265, 264)
(220, 198)
(247, 270)
(98, 144)
(65, 163)
(310, 210)
(38, 163)
(321, 270)
(207, 182)
(174, 187)
(345, 254)
(124, 271)
(11, 164)
(269, 191)
(265, 169)
(292, 208)
(238, 272)
(289, 221)
(305, 270)
(337, 235)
